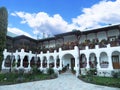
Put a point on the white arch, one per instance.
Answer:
(66, 60)
(83, 61)
(25, 61)
(104, 60)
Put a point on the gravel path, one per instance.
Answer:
(66, 81)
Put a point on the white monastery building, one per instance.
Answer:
(76, 50)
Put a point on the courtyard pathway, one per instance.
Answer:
(66, 81)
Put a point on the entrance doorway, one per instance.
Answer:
(68, 62)
(72, 63)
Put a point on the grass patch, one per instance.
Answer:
(106, 81)
(13, 78)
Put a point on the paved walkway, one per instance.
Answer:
(65, 81)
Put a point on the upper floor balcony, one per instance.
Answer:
(102, 44)
(68, 46)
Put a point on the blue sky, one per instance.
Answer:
(35, 17)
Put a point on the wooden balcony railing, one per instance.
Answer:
(67, 46)
(114, 43)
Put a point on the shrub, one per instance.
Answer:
(115, 74)
(20, 79)
(21, 71)
(91, 72)
(41, 71)
(14, 70)
(50, 71)
(82, 76)
(60, 71)
(53, 76)
(35, 69)
(64, 68)
(73, 71)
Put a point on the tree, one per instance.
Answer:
(3, 31)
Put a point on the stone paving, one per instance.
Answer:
(66, 81)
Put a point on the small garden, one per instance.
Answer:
(21, 77)
(90, 77)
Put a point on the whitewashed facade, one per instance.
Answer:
(97, 48)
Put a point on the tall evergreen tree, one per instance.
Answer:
(3, 31)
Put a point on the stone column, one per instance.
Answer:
(3, 62)
(21, 61)
(29, 67)
(55, 62)
(76, 68)
(98, 62)
(41, 62)
(60, 67)
(16, 61)
(76, 62)
(110, 66)
(87, 58)
(47, 62)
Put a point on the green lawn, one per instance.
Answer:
(107, 81)
(13, 78)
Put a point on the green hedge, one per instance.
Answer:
(106, 81)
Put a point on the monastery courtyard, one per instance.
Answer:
(66, 81)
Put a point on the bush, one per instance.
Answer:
(60, 71)
(41, 71)
(20, 79)
(83, 76)
(53, 76)
(91, 72)
(106, 81)
(35, 69)
(115, 74)
(12, 78)
(64, 68)
(73, 71)
(50, 71)
(21, 71)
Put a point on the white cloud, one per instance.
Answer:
(13, 14)
(42, 22)
(105, 12)
(18, 31)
